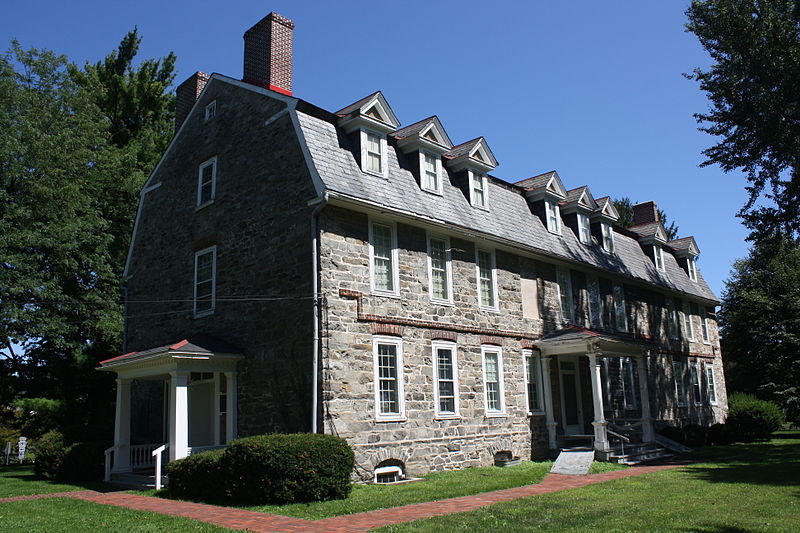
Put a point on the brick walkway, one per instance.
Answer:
(242, 519)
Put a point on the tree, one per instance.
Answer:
(753, 87)
(624, 207)
(760, 321)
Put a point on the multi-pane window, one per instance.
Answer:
(533, 381)
(388, 361)
(595, 307)
(445, 373)
(688, 323)
(584, 229)
(205, 273)
(620, 317)
(493, 379)
(608, 237)
(486, 279)
(207, 182)
(672, 318)
(553, 217)
(565, 294)
(679, 375)
(691, 267)
(430, 172)
(705, 330)
(439, 269)
(211, 110)
(694, 376)
(711, 384)
(383, 258)
(628, 383)
(658, 254)
(374, 153)
(477, 189)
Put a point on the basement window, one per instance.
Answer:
(388, 474)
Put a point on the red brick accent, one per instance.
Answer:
(491, 339)
(645, 213)
(528, 344)
(444, 335)
(268, 53)
(386, 329)
(186, 95)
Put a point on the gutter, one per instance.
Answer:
(319, 204)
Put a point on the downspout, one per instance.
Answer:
(319, 204)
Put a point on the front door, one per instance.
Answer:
(571, 412)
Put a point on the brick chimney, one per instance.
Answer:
(186, 95)
(268, 53)
(644, 213)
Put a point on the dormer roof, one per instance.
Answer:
(427, 134)
(685, 246)
(579, 198)
(547, 184)
(372, 111)
(606, 209)
(475, 153)
(652, 232)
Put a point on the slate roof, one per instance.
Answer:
(573, 195)
(355, 105)
(646, 230)
(195, 345)
(412, 129)
(684, 243)
(462, 149)
(536, 182)
(509, 217)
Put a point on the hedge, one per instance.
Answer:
(198, 477)
(752, 419)
(50, 450)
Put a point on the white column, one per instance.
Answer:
(179, 415)
(231, 432)
(647, 420)
(547, 393)
(217, 376)
(599, 423)
(122, 427)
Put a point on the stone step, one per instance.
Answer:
(136, 481)
(641, 456)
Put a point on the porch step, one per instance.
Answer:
(639, 453)
(137, 481)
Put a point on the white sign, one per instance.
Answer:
(23, 443)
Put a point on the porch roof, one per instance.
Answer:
(577, 340)
(194, 347)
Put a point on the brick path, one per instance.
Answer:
(355, 523)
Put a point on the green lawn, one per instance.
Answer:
(734, 489)
(57, 515)
(20, 481)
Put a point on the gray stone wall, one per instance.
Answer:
(261, 225)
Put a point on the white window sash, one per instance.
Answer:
(711, 384)
(553, 217)
(477, 189)
(383, 283)
(620, 315)
(211, 281)
(430, 177)
(441, 268)
(533, 381)
(210, 182)
(438, 380)
(584, 228)
(694, 381)
(705, 330)
(595, 306)
(495, 386)
(692, 268)
(628, 383)
(487, 278)
(211, 110)
(688, 322)
(608, 237)
(679, 375)
(564, 282)
(659, 257)
(386, 383)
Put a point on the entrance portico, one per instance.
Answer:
(200, 398)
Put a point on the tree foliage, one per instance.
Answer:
(753, 87)
(624, 207)
(760, 321)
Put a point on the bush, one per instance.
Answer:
(719, 434)
(83, 461)
(50, 450)
(288, 468)
(695, 435)
(752, 419)
(674, 433)
(198, 477)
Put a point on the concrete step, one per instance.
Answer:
(641, 455)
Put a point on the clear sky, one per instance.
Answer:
(591, 89)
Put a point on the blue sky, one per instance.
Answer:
(591, 89)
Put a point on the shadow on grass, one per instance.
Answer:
(25, 473)
(719, 529)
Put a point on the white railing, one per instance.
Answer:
(142, 455)
(156, 454)
(109, 453)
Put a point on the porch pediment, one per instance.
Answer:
(577, 340)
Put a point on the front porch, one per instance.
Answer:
(191, 386)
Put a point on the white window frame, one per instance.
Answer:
(213, 251)
(210, 111)
(691, 267)
(213, 163)
(474, 177)
(553, 216)
(607, 231)
(497, 350)
(491, 306)
(527, 355)
(584, 228)
(673, 326)
(619, 308)
(628, 382)
(396, 470)
(395, 274)
(705, 329)
(423, 172)
(448, 271)
(397, 342)
(688, 322)
(711, 384)
(695, 383)
(569, 315)
(658, 258)
(435, 347)
(595, 301)
(364, 152)
(681, 390)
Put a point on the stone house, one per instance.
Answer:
(294, 269)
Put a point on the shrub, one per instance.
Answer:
(674, 433)
(198, 476)
(695, 435)
(50, 450)
(288, 468)
(752, 419)
(719, 434)
(82, 461)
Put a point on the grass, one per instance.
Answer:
(56, 515)
(732, 489)
(20, 481)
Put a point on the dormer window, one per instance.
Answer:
(477, 189)
(584, 229)
(553, 217)
(608, 237)
(691, 268)
(658, 257)
(430, 172)
(373, 153)
(369, 120)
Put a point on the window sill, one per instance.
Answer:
(447, 417)
(201, 314)
(376, 174)
(489, 309)
(385, 294)
(395, 419)
(481, 207)
(432, 191)
(496, 415)
(202, 206)
(448, 303)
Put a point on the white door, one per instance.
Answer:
(571, 411)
